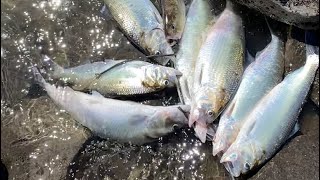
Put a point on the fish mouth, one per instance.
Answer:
(235, 172)
(218, 146)
(201, 131)
(197, 121)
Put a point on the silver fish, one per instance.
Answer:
(199, 18)
(124, 121)
(116, 78)
(258, 79)
(272, 121)
(218, 70)
(142, 24)
(174, 16)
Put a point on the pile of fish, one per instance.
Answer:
(243, 106)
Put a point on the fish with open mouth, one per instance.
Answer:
(273, 120)
(115, 77)
(125, 121)
(218, 70)
(142, 24)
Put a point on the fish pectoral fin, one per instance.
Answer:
(211, 132)
(249, 59)
(97, 94)
(106, 13)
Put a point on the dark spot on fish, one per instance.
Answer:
(264, 152)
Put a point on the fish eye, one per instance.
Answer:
(175, 127)
(246, 166)
(158, 53)
(210, 113)
(166, 82)
(173, 27)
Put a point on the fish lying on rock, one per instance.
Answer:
(124, 121)
(115, 77)
(142, 24)
(258, 79)
(218, 70)
(273, 120)
(199, 19)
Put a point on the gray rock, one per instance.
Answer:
(303, 13)
(38, 143)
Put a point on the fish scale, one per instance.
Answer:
(141, 22)
(125, 121)
(218, 70)
(121, 77)
(198, 19)
(272, 120)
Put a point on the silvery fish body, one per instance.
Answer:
(174, 16)
(116, 78)
(124, 121)
(218, 70)
(272, 121)
(258, 79)
(142, 24)
(199, 19)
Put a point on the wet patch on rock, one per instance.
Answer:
(38, 140)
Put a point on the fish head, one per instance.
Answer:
(157, 45)
(240, 158)
(206, 107)
(174, 16)
(173, 30)
(160, 77)
(167, 119)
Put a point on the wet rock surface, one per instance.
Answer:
(39, 140)
(177, 156)
(303, 14)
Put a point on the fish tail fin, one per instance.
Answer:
(312, 44)
(52, 66)
(274, 35)
(230, 5)
(312, 50)
(312, 60)
(38, 77)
